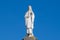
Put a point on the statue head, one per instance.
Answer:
(29, 8)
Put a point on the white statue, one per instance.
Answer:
(29, 21)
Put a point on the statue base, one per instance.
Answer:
(29, 38)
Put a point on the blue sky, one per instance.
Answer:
(47, 19)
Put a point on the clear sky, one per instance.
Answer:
(47, 19)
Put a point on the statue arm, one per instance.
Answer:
(26, 16)
(33, 16)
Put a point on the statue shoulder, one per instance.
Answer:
(26, 14)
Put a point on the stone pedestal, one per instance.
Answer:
(29, 38)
